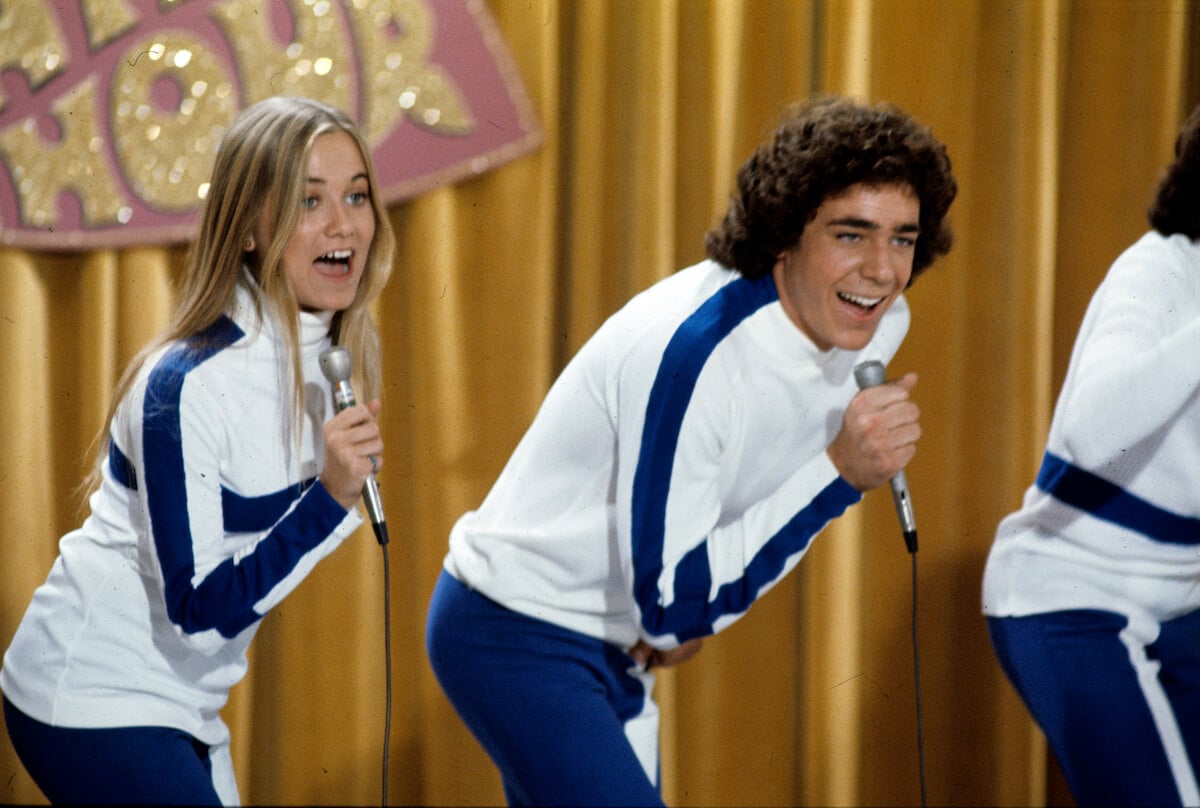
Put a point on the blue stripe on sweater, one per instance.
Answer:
(1109, 502)
(251, 514)
(166, 489)
(224, 600)
(121, 467)
(691, 614)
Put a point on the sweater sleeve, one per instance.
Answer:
(696, 565)
(213, 591)
(695, 569)
(1133, 370)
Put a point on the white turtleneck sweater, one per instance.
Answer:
(676, 470)
(1113, 520)
(209, 514)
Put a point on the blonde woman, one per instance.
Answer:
(223, 476)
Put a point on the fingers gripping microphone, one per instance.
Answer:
(335, 364)
(871, 374)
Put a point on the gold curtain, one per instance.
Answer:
(1059, 115)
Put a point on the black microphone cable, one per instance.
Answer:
(916, 648)
(335, 365)
(381, 535)
(871, 374)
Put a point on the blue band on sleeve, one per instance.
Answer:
(244, 514)
(1109, 502)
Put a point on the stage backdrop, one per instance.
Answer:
(113, 109)
(1059, 115)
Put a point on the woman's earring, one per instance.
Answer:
(249, 245)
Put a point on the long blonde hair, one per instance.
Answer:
(260, 170)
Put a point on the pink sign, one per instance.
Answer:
(110, 110)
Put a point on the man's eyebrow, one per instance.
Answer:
(854, 221)
(868, 224)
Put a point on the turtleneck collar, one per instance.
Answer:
(314, 326)
(776, 333)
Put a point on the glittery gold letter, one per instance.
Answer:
(30, 41)
(395, 38)
(41, 170)
(166, 153)
(105, 20)
(315, 63)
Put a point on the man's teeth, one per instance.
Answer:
(865, 302)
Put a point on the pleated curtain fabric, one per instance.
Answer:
(1058, 115)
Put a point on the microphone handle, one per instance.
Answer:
(904, 510)
(343, 397)
(871, 374)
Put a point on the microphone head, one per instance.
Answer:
(869, 374)
(335, 364)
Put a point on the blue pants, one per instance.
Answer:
(118, 766)
(558, 712)
(1119, 703)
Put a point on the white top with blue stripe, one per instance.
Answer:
(208, 515)
(1113, 518)
(676, 470)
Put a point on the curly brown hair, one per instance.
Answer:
(1176, 207)
(821, 148)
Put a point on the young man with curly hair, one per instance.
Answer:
(685, 458)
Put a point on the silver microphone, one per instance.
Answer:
(871, 374)
(335, 364)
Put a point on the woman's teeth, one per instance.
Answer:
(337, 257)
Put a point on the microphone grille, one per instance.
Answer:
(869, 374)
(335, 364)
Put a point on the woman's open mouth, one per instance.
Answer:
(335, 262)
